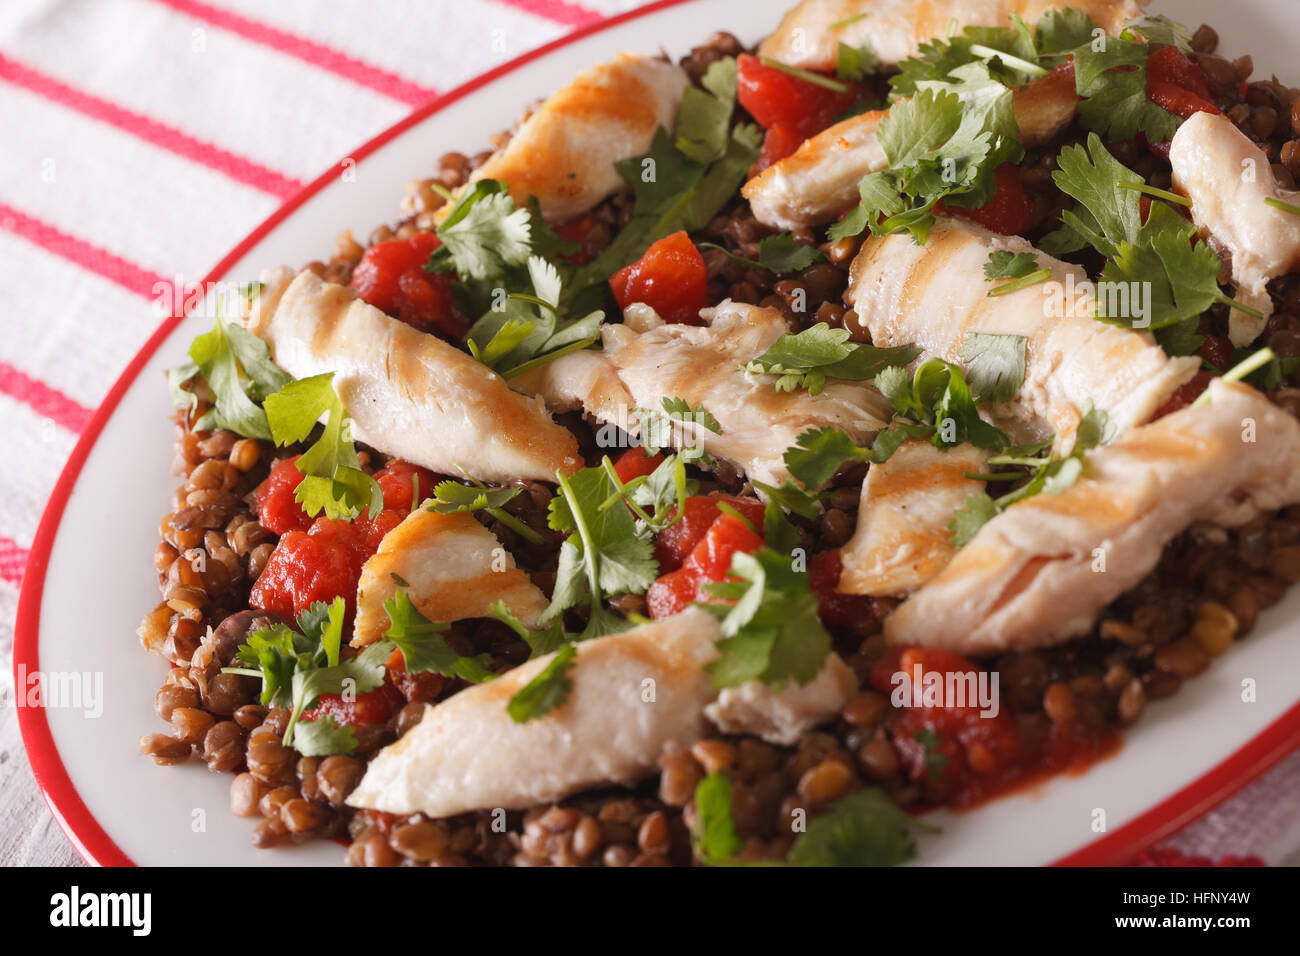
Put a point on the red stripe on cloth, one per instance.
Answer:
(13, 559)
(173, 140)
(317, 54)
(114, 268)
(561, 11)
(43, 399)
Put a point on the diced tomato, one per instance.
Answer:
(1185, 394)
(373, 707)
(954, 746)
(391, 276)
(779, 142)
(398, 479)
(635, 463)
(678, 540)
(671, 278)
(709, 560)
(320, 564)
(1216, 350)
(277, 509)
(775, 98)
(425, 686)
(579, 230)
(1010, 211)
(1177, 84)
(844, 611)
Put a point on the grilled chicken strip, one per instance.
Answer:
(409, 394)
(564, 153)
(700, 364)
(633, 694)
(1229, 180)
(902, 539)
(450, 566)
(933, 295)
(820, 179)
(1040, 572)
(810, 34)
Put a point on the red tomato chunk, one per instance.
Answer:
(391, 276)
(1010, 211)
(671, 278)
(709, 560)
(374, 707)
(277, 509)
(775, 98)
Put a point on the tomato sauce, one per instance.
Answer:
(391, 277)
(961, 754)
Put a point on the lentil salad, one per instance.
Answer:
(1065, 703)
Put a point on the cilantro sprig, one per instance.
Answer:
(1047, 474)
(604, 554)
(770, 626)
(298, 667)
(1160, 255)
(451, 497)
(529, 329)
(780, 254)
(547, 691)
(423, 647)
(676, 422)
(333, 481)
(807, 359)
(237, 367)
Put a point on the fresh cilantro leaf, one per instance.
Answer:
(527, 330)
(995, 365)
(1112, 80)
(605, 553)
(863, 829)
(782, 255)
(1005, 264)
(935, 759)
(970, 517)
(424, 648)
(664, 492)
(273, 654)
(1050, 475)
(772, 631)
(704, 118)
(717, 841)
(1157, 259)
(1060, 32)
(323, 623)
(360, 675)
(547, 691)
(856, 63)
(323, 737)
(333, 481)
(484, 234)
(807, 359)
(237, 367)
(819, 453)
(677, 424)
(1159, 30)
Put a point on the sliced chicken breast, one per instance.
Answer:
(409, 394)
(819, 181)
(564, 153)
(902, 538)
(934, 295)
(1229, 181)
(810, 34)
(701, 365)
(1041, 572)
(450, 566)
(633, 695)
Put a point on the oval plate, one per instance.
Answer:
(88, 581)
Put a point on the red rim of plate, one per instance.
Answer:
(90, 839)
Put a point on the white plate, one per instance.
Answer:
(90, 580)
